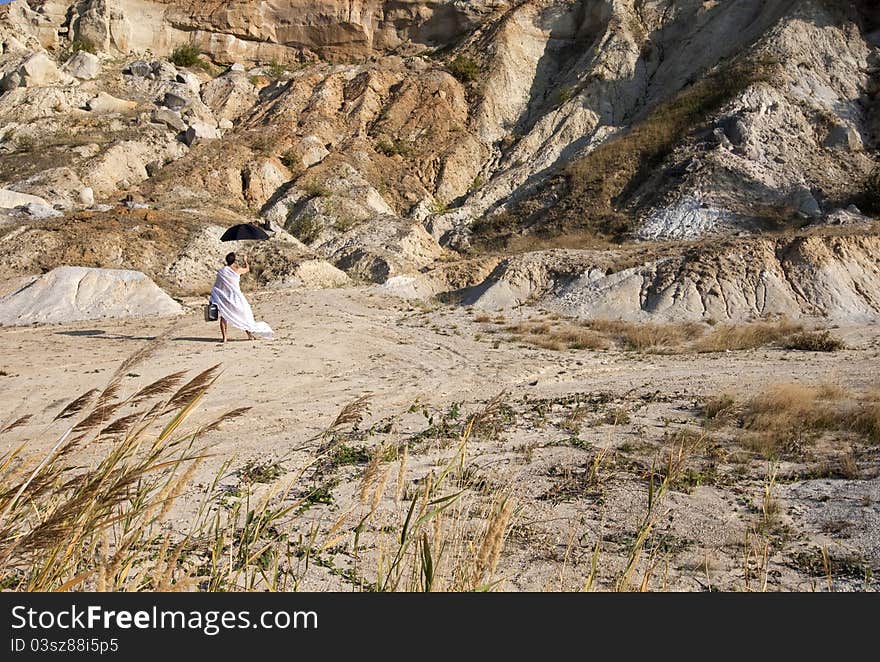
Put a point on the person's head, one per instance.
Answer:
(230, 259)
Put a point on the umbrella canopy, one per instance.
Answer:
(244, 232)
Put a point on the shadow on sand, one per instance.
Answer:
(103, 335)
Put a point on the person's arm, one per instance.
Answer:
(245, 269)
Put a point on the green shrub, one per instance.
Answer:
(394, 147)
(464, 69)
(275, 69)
(315, 189)
(564, 94)
(75, 47)
(291, 161)
(305, 227)
(185, 55)
(439, 207)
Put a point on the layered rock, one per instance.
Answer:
(832, 277)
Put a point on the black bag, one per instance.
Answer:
(212, 314)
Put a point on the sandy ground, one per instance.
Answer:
(418, 362)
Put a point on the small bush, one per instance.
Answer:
(263, 143)
(75, 47)
(779, 421)
(315, 189)
(185, 55)
(719, 408)
(394, 147)
(275, 70)
(345, 223)
(291, 161)
(815, 341)
(477, 184)
(564, 94)
(305, 227)
(439, 207)
(866, 420)
(347, 455)
(464, 69)
(24, 144)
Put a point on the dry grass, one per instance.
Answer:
(648, 337)
(549, 332)
(813, 341)
(747, 336)
(783, 419)
(865, 419)
(557, 336)
(56, 517)
(107, 526)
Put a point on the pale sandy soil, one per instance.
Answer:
(335, 346)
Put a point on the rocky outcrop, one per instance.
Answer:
(12, 199)
(83, 65)
(230, 96)
(106, 103)
(835, 277)
(72, 294)
(35, 70)
(386, 134)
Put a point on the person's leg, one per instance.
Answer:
(223, 328)
(250, 335)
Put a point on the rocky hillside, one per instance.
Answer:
(396, 139)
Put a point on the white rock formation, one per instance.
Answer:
(12, 199)
(200, 131)
(83, 65)
(71, 294)
(106, 103)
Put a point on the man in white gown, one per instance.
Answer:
(231, 304)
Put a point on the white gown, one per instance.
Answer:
(232, 305)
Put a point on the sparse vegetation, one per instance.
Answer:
(564, 94)
(185, 55)
(275, 70)
(305, 227)
(591, 193)
(464, 69)
(24, 144)
(815, 341)
(347, 455)
(647, 337)
(105, 527)
(292, 161)
(315, 189)
(673, 338)
(75, 47)
(439, 207)
(785, 419)
(262, 143)
(730, 337)
(260, 472)
(395, 147)
(558, 337)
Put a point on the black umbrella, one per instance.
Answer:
(244, 232)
